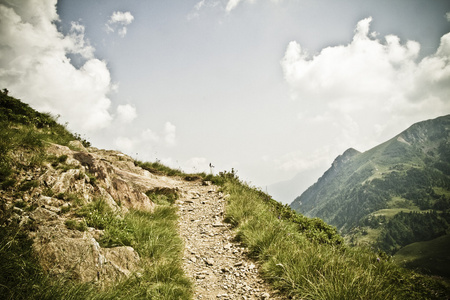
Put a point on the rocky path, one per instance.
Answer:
(218, 266)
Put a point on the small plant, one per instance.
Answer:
(28, 185)
(48, 192)
(20, 204)
(92, 178)
(76, 225)
(64, 209)
(158, 168)
(97, 214)
(163, 196)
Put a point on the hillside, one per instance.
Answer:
(392, 195)
(77, 222)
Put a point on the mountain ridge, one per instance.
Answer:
(408, 173)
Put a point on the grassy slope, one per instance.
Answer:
(432, 257)
(305, 257)
(153, 235)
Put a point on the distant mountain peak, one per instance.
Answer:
(345, 157)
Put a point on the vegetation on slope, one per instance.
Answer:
(392, 195)
(306, 258)
(153, 235)
(426, 256)
(24, 133)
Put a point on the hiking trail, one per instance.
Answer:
(218, 266)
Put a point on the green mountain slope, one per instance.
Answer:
(431, 257)
(391, 195)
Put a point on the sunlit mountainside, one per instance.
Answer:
(392, 195)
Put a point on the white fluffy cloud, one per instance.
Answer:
(119, 22)
(34, 66)
(360, 91)
(126, 113)
(232, 5)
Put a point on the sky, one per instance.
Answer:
(270, 88)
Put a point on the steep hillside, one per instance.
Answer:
(77, 222)
(391, 195)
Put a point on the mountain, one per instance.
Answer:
(392, 195)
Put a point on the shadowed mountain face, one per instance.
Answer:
(391, 195)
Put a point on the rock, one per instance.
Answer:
(41, 215)
(77, 145)
(80, 257)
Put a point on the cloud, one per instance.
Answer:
(369, 87)
(170, 134)
(298, 161)
(126, 113)
(119, 22)
(146, 139)
(195, 13)
(231, 5)
(223, 5)
(123, 18)
(125, 144)
(447, 16)
(34, 66)
(149, 135)
(196, 165)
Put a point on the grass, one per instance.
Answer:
(159, 168)
(428, 257)
(391, 212)
(163, 195)
(153, 235)
(306, 259)
(24, 134)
